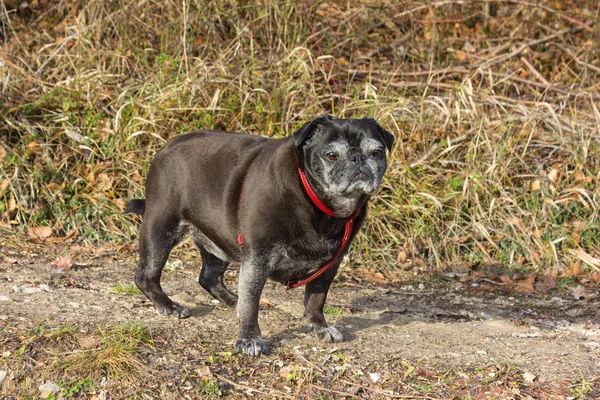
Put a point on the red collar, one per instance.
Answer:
(313, 196)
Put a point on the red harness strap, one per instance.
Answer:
(321, 206)
(347, 232)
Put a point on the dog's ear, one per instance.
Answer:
(388, 138)
(307, 129)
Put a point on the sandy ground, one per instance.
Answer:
(445, 322)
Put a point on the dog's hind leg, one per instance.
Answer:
(211, 276)
(157, 238)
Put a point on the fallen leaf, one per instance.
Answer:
(126, 248)
(39, 232)
(524, 285)
(76, 136)
(33, 147)
(533, 256)
(594, 277)
(553, 174)
(266, 302)
(402, 257)
(53, 186)
(12, 204)
(460, 55)
(63, 263)
(420, 263)
(90, 177)
(468, 47)
(424, 372)
(574, 270)
(88, 342)
(479, 274)
(536, 185)
(506, 280)
(519, 283)
(529, 377)
(72, 234)
(106, 248)
(545, 284)
(3, 185)
(581, 292)
(136, 176)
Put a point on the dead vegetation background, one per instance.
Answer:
(494, 104)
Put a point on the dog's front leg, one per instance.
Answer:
(251, 282)
(314, 302)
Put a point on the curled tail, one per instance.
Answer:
(136, 206)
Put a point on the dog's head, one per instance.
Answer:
(345, 158)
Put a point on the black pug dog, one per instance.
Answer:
(286, 208)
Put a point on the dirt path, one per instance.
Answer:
(444, 324)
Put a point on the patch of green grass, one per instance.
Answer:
(566, 281)
(338, 356)
(129, 289)
(128, 337)
(210, 390)
(293, 376)
(31, 337)
(590, 237)
(580, 390)
(332, 310)
(65, 332)
(456, 183)
(75, 387)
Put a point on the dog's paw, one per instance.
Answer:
(231, 303)
(251, 346)
(176, 310)
(327, 334)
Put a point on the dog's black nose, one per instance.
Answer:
(358, 158)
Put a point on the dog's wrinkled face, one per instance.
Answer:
(345, 157)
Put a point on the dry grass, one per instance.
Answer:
(494, 104)
(117, 355)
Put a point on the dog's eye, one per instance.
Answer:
(376, 153)
(331, 156)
